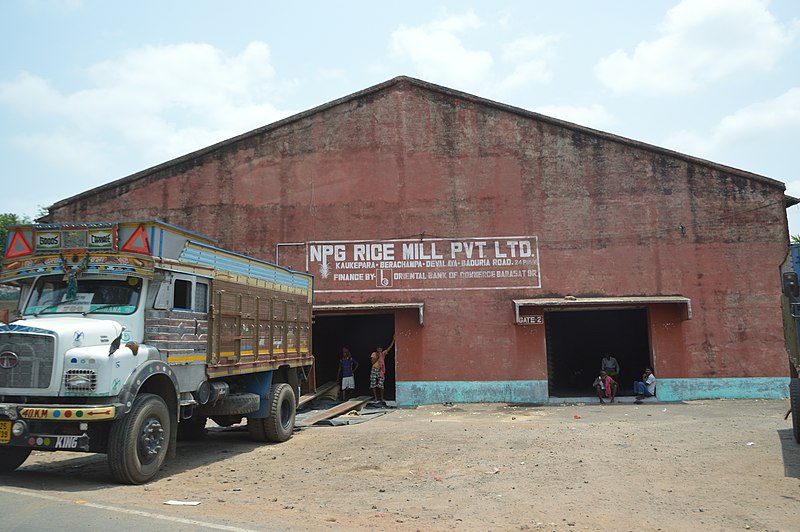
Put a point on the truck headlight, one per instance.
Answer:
(80, 380)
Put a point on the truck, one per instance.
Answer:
(131, 334)
(790, 304)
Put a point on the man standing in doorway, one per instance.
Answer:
(610, 365)
(378, 372)
(347, 370)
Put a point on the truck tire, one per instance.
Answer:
(794, 402)
(234, 404)
(279, 425)
(12, 457)
(192, 429)
(138, 442)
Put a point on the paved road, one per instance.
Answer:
(28, 510)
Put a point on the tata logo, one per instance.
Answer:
(8, 360)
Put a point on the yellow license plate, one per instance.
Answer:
(5, 431)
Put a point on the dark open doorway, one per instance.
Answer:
(577, 339)
(361, 333)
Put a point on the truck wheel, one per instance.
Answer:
(234, 404)
(794, 402)
(278, 426)
(137, 444)
(12, 457)
(192, 429)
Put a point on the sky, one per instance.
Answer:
(92, 91)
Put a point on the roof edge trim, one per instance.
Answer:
(601, 301)
(372, 306)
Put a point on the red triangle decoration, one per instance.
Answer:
(138, 242)
(18, 247)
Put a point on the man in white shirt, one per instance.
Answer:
(645, 387)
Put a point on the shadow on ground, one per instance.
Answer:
(76, 472)
(791, 453)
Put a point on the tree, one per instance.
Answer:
(794, 239)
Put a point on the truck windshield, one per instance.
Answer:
(102, 296)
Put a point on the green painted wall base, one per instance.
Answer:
(432, 392)
(731, 388)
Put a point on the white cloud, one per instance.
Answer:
(439, 55)
(140, 99)
(701, 41)
(58, 5)
(80, 154)
(504, 19)
(595, 116)
(523, 75)
(456, 23)
(529, 57)
(327, 74)
(523, 48)
(777, 117)
(30, 94)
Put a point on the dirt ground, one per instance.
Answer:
(703, 465)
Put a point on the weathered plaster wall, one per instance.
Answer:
(613, 217)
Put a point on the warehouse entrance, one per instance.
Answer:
(361, 334)
(577, 339)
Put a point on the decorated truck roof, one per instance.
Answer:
(136, 248)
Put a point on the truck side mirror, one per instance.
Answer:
(791, 288)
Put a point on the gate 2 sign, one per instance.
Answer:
(485, 263)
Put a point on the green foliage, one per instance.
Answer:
(794, 239)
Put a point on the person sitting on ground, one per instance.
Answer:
(605, 386)
(645, 387)
(347, 370)
(378, 372)
(610, 365)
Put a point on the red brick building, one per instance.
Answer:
(505, 250)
